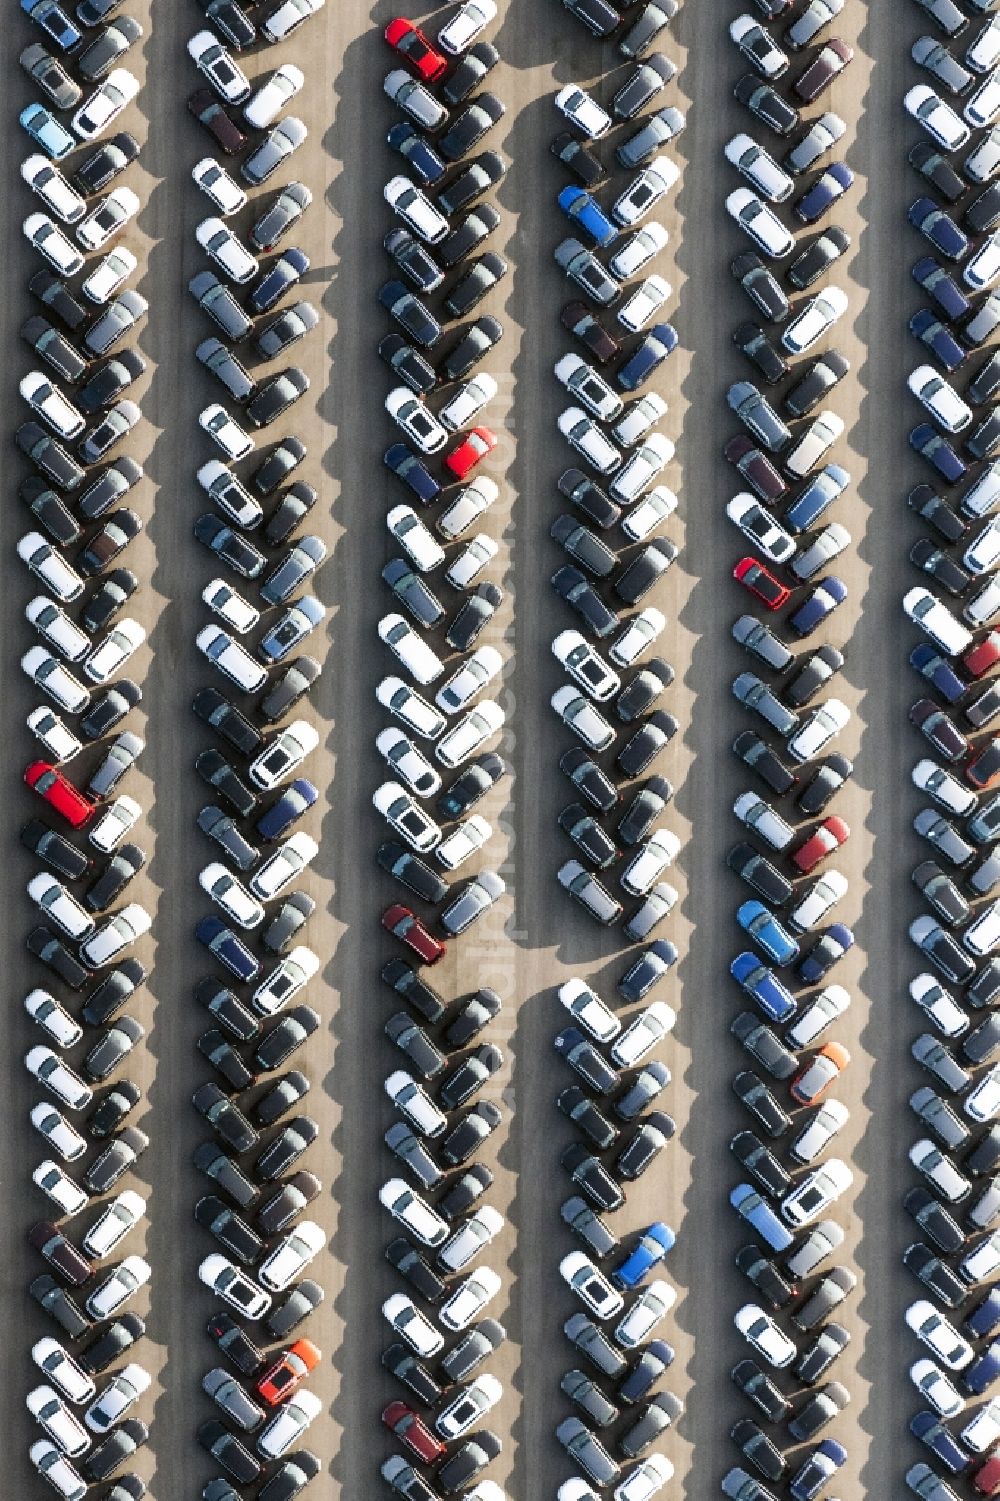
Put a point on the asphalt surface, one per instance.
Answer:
(536, 939)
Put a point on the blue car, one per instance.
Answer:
(653, 1245)
(926, 326)
(817, 605)
(833, 945)
(293, 802)
(833, 184)
(985, 1317)
(763, 927)
(820, 493)
(406, 466)
(763, 985)
(938, 672)
(419, 154)
(227, 948)
(48, 132)
(929, 1429)
(930, 445)
(754, 1208)
(941, 286)
(983, 1371)
(54, 22)
(658, 343)
(817, 1469)
(584, 210)
(938, 227)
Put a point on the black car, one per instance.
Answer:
(411, 1265)
(54, 850)
(279, 216)
(413, 259)
(772, 1285)
(213, 768)
(760, 285)
(932, 164)
(759, 874)
(475, 1346)
(761, 1390)
(410, 313)
(588, 778)
(411, 1039)
(465, 1191)
(114, 593)
(650, 966)
(476, 227)
(113, 1341)
(465, 1463)
(107, 998)
(936, 1275)
(821, 377)
(983, 213)
(642, 812)
(120, 1444)
(279, 1208)
(756, 753)
(412, 592)
(466, 129)
(54, 348)
(644, 1088)
(229, 546)
(760, 1101)
(106, 163)
(817, 1358)
(408, 983)
(44, 944)
(228, 1451)
(482, 173)
(645, 1371)
(941, 566)
(473, 617)
(286, 1148)
(589, 498)
(109, 381)
(288, 688)
(829, 777)
(474, 283)
(572, 586)
(761, 1163)
(275, 395)
(933, 508)
(581, 1110)
(220, 1053)
(646, 1142)
(412, 872)
(287, 923)
(470, 785)
(813, 674)
(581, 1055)
(471, 1018)
(113, 1108)
(470, 71)
(588, 836)
(120, 869)
(757, 1449)
(655, 732)
(283, 1095)
(295, 504)
(751, 340)
(408, 364)
(583, 545)
(304, 1298)
(470, 1076)
(229, 1229)
(468, 1134)
(574, 155)
(413, 1374)
(227, 1009)
(225, 1118)
(475, 343)
(215, 710)
(286, 328)
(817, 257)
(280, 1041)
(644, 570)
(221, 1169)
(233, 22)
(59, 1305)
(48, 510)
(766, 103)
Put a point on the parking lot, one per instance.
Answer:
(538, 938)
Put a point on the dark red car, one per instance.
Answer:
(983, 655)
(831, 834)
(755, 467)
(938, 729)
(984, 768)
(59, 1252)
(755, 577)
(986, 1480)
(831, 60)
(414, 47)
(413, 1432)
(473, 448)
(402, 924)
(281, 1379)
(209, 112)
(580, 321)
(59, 792)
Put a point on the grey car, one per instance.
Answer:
(279, 143)
(760, 641)
(286, 210)
(410, 1149)
(298, 565)
(304, 1297)
(472, 902)
(592, 1342)
(227, 1392)
(758, 415)
(756, 695)
(411, 591)
(581, 1389)
(830, 1292)
(477, 1345)
(591, 1229)
(656, 1418)
(219, 303)
(284, 330)
(220, 361)
(220, 827)
(587, 1451)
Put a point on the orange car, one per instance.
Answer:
(813, 1081)
(281, 1379)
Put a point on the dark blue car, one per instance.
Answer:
(817, 1469)
(820, 493)
(582, 209)
(928, 1428)
(817, 605)
(928, 442)
(938, 227)
(941, 286)
(939, 672)
(654, 349)
(293, 802)
(833, 945)
(419, 154)
(762, 984)
(983, 1371)
(926, 326)
(280, 275)
(406, 466)
(985, 1317)
(654, 1244)
(833, 184)
(227, 948)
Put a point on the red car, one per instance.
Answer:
(831, 834)
(281, 1379)
(755, 577)
(400, 921)
(413, 1432)
(986, 1480)
(984, 768)
(983, 655)
(415, 48)
(59, 792)
(475, 446)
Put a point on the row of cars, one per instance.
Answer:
(616, 177)
(954, 1324)
(256, 1208)
(788, 173)
(80, 390)
(441, 699)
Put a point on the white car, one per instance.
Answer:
(470, 734)
(983, 160)
(231, 659)
(467, 1406)
(470, 503)
(641, 467)
(55, 1468)
(419, 659)
(105, 104)
(216, 64)
(940, 398)
(233, 1286)
(767, 58)
(936, 621)
(416, 419)
(288, 17)
(638, 250)
(62, 1370)
(643, 1033)
(982, 1103)
(61, 906)
(57, 1077)
(759, 816)
(62, 1426)
(283, 754)
(287, 978)
(649, 515)
(288, 1424)
(814, 1194)
(50, 567)
(111, 653)
(52, 622)
(936, 1388)
(415, 538)
(820, 1014)
(644, 1479)
(218, 186)
(587, 1008)
(109, 275)
(409, 764)
(227, 434)
(413, 1213)
(939, 1171)
(230, 895)
(227, 250)
(408, 707)
(639, 418)
(814, 319)
(49, 240)
(53, 189)
(110, 214)
(122, 1392)
(119, 1286)
(583, 381)
(115, 935)
(583, 434)
(51, 405)
(983, 107)
(820, 726)
(292, 1254)
(641, 1318)
(58, 739)
(60, 1135)
(984, 606)
(637, 637)
(413, 1101)
(469, 22)
(982, 1262)
(818, 1130)
(472, 1236)
(412, 1326)
(648, 188)
(415, 209)
(939, 1335)
(590, 1285)
(404, 814)
(644, 303)
(943, 787)
(584, 666)
(466, 566)
(464, 840)
(759, 168)
(582, 110)
(760, 223)
(475, 674)
(764, 1336)
(939, 120)
(468, 401)
(270, 99)
(581, 716)
(983, 1429)
(55, 1021)
(287, 862)
(230, 606)
(231, 497)
(938, 1005)
(468, 1298)
(653, 856)
(760, 528)
(125, 1211)
(56, 680)
(983, 553)
(983, 52)
(982, 268)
